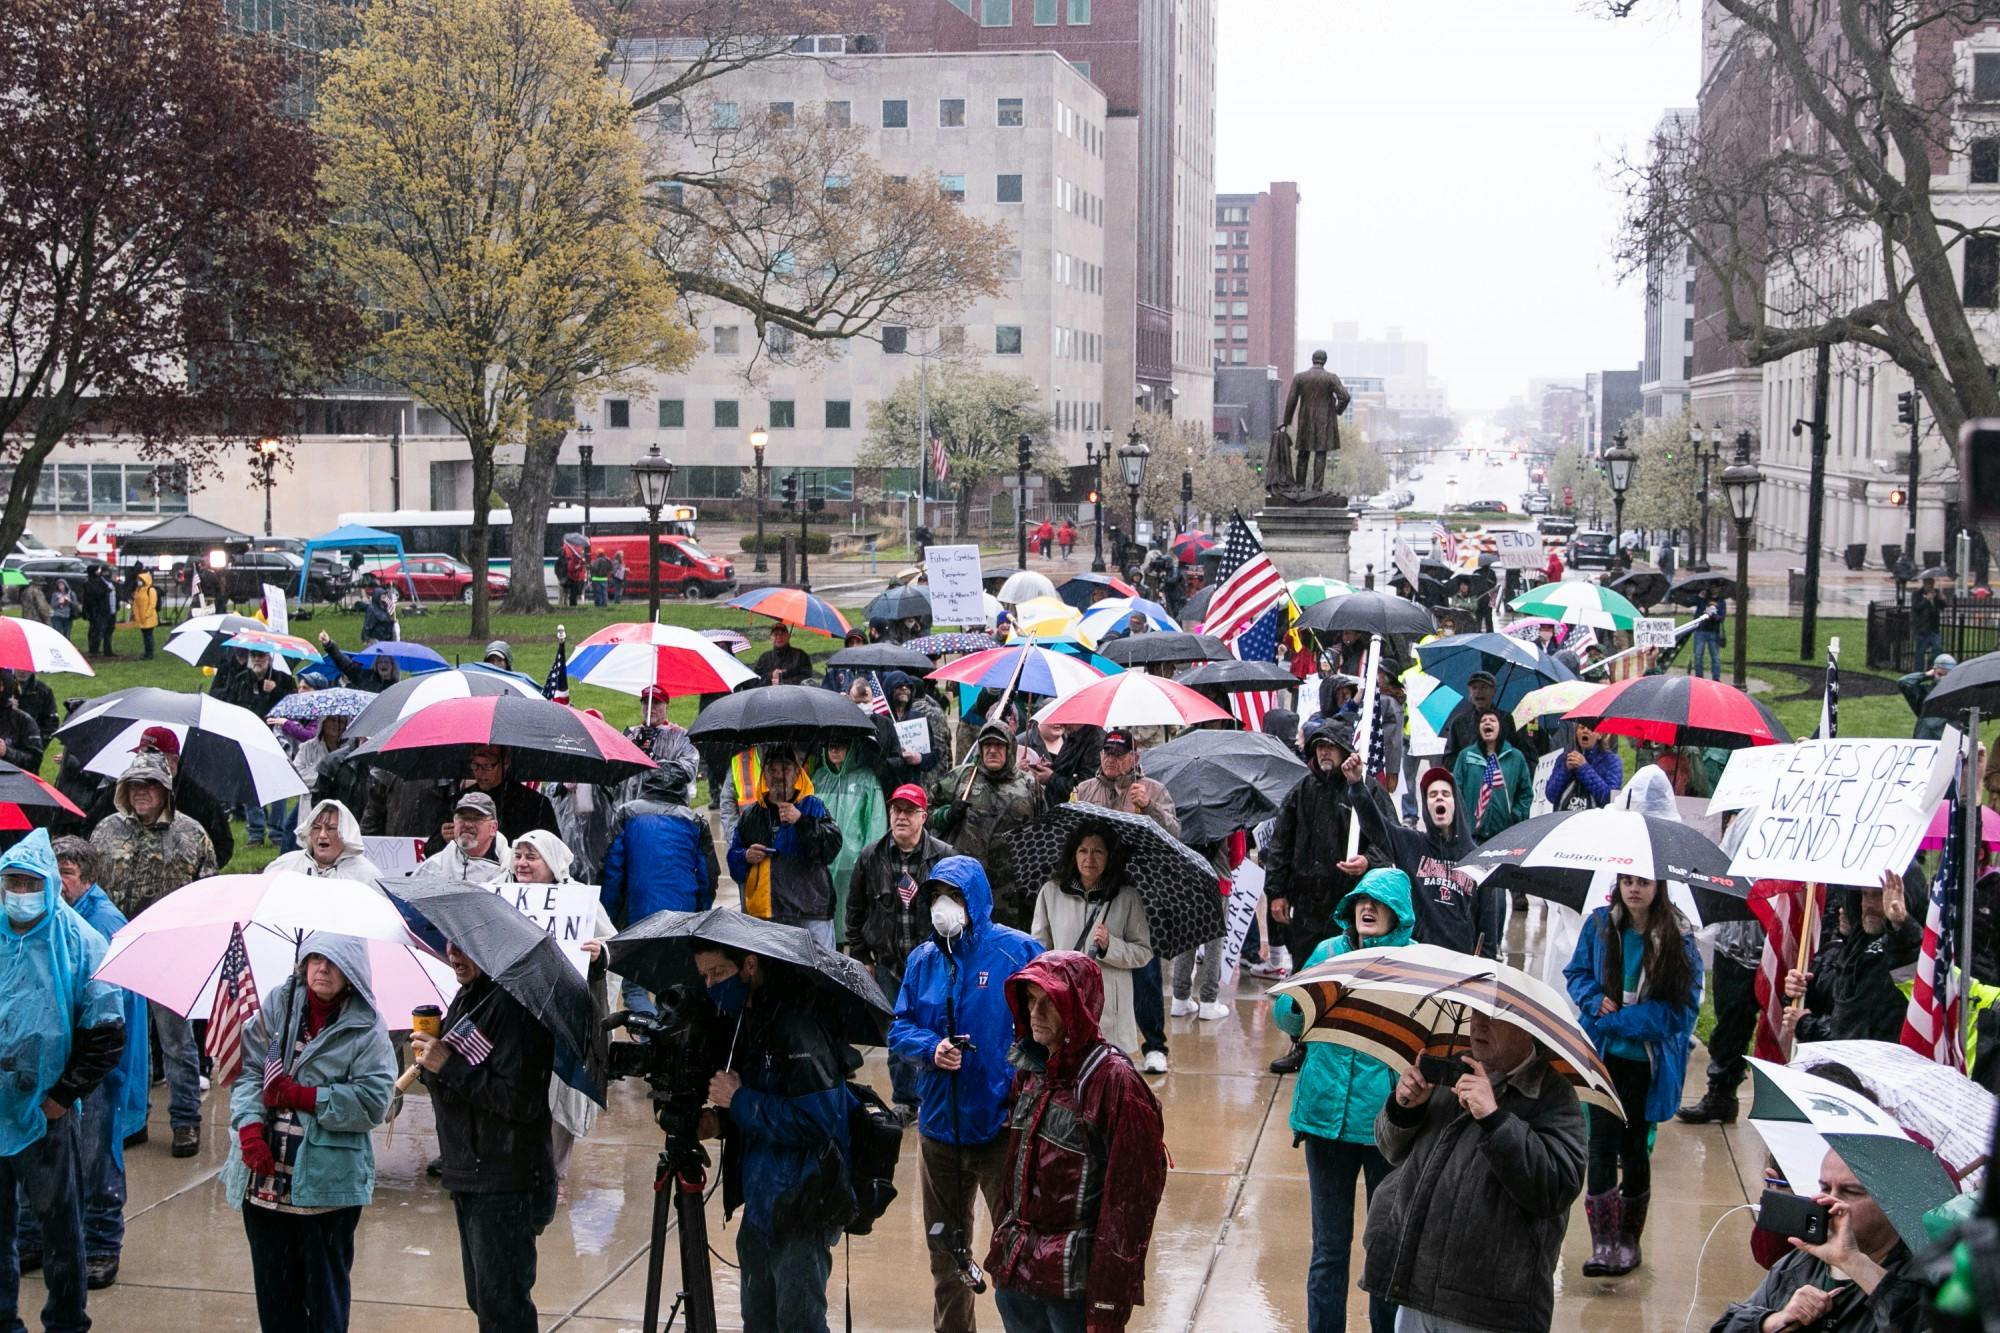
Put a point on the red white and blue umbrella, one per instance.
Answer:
(1114, 614)
(1133, 699)
(1043, 672)
(29, 645)
(545, 742)
(635, 657)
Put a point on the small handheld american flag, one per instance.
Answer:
(906, 888)
(235, 1006)
(878, 703)
(556, 686)
(471, 1044)
(1489, 784)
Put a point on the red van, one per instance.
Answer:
(686, 570)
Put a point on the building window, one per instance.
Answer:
(673, 414)
(783, 414)
(778, 338)
(952, 186)
(618, 413)
(1045, 12)
(1009, 115)
(780, 116)
(1007, 339)
(1986, 77)
(839, 414)
(835, 186)
(840, 114)
(951, 113)
(1007, 189)
(1079, 13)
(725, 412)
(1687, 367)
(727, 339)
(951, 337)
(1081, 66)
(1240, 309)
(725, 116)
(1011, 264)
(1986, 161)
(996, 13)
(1982, 272)
(895, 339)
(895, 114)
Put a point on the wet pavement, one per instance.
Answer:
(1229, 1249)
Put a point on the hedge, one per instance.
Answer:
(817, 543)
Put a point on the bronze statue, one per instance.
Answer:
(1317, 399)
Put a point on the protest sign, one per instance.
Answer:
(1545, 768)
(568, 912)
(1748, 776)
(1842, 811)
(1246, 890)
(914, 735)
(954, 585)
(394, 856)
(1653, 632)
(1407, 564)
(275, 613)
(1517, 548)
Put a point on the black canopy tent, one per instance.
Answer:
(185, 535)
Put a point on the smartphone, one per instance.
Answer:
(963, 1041)
(1441, 1070)
(1793, 1215)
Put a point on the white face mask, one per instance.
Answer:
(948, 918)
(26, 908)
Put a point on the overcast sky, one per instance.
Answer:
(1454, 161)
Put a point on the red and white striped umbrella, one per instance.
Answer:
(1133, 699)
(29, 645)
(545, 741)
(634, 657)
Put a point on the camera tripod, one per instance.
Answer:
(682, 1173)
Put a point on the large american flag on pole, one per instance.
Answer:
(940, 464)
(1258, 643)
(1248, 585)
(235, 1006)
(1932, 1024)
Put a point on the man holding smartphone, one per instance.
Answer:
(781, 853)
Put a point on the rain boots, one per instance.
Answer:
(1716, 1107)
(1603, 1212)
(1631, 1225)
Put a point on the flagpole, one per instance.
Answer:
(923, 433)
(1970, 807)
(1363, 735)
(1809, 923)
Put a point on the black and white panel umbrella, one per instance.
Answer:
(227, 751)
(1558, 856)
(1178, 886)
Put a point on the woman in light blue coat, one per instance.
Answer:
(302, 1167)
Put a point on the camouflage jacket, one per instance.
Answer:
(141, 863)
(994, 804)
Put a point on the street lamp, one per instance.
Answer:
(1619, 462)
(584, 451)
(1740, 482)
(655, 475)
(1024, 449)
(1187, 495)
(267, 456)
(1093, 457)
(1133, 458)
(758, 439)
(1698, 551)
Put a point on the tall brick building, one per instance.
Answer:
(1257, 278)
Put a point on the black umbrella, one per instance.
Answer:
(658, 953)
(883, 657)
(1691, 588)
(798, 714)
(1973, 684)
(1225, 780)
(1196, 606)
(1080, 590)
(1164, 648)
(1234, 677)
(1643, 588)
(1179, 888)
(523, 959)
(1367, 613)
(900, 603)
(1557, 856)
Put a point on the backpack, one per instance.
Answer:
(874, 1145)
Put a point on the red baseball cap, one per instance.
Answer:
(910, 794)
(1435, 773)
(159, 738)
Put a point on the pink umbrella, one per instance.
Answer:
(1133, 699)
(1989, 829)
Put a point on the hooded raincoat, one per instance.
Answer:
(1084, 1131)
(126, 1084)
(145, 603)
(61, 1032)
(1341, 1090)
(1452, 910)
(350, 863)
(660, 856)
(349, 1062)
(953, 987)
(852, 794)
(995, 803)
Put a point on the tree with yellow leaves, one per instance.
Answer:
(486, 190)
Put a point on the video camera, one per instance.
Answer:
(671, 1051)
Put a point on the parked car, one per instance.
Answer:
(49, 570)
(1478, 507)
(1535, 502)
(437, 578)
(1588, 549)
(687, 569)
(244, 577)
(1555, 525)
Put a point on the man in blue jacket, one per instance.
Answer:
(659, 858)
(952, 1016)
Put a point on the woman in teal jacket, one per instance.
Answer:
(302, 1109)
(1334, 1106)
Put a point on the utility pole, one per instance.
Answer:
(1907, 409)
(1815, 500)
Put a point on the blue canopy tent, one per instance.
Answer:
(350, 536)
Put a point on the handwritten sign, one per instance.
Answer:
(1407, 564)
(566, 911)
(1653, 632)
(914, 735)
(275, 613)
(1748, 776)
(1843, 811)
(394, 856)
(1545, 768)
(954, 582)
(1517, 548)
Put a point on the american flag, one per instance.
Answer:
(1248, 585)
(1258, 643)
(235, 1006)
(1489, 784)
(906, 888)
(939, 462)
(1780, 904)
(466, 1038)
(878, 702)
(556, 685)
(1829, 703)
(1931, 1026)
(1445, 543)
(1378, 742)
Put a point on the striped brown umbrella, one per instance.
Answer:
(1397, 1004)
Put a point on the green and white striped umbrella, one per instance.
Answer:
(1801, 1116)
(1311, 592)
(1578, 603)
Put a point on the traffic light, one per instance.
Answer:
(1024, 450)
(1898, 496)
(1092, 497)
(788, 488)
(1906, 408)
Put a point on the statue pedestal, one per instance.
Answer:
(1307, 541)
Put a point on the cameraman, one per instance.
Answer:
(952, 1016)
(781, 1110)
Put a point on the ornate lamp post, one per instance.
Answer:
(1740, 482)
(758, 439)
(1093, 457)
(1698, 551)
(1619, 461)
(1187, 495)
(655, 475)
(584, 451)
(1024, 448)
(1133, 459)
(267, 457)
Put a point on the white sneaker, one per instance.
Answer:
(1183, 1008)
(204, 1083)
(1155, 1062)
(1213, 1010)
(1283, 960)
(1267, 969)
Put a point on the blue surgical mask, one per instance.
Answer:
(731, 995)
(26, 908)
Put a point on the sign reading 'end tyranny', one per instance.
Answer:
(1843, 811)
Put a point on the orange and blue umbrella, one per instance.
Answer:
(793, 606)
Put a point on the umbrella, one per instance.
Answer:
(198, 642)
(1132, 699)
(21, 792)
(1367, 613)
(1113, 615)
(545, 741)
(1690, 588)
(1517, 667)
(1045, 617)
(411, 659)
(1971, 684)
(171, 953)
(1080, 590)
(522, 681)
(1189, 545)
(1196, 607)
(1989, 828)
(884, 657)
(1556, 856)
(797, 714)
(1224, 780)
(1165, 649)
(1576, 603)
(1043, 671)
(1557, 698)
(522, 958)
(1432, 698)
(227, 751)
(1024, 586)
(420, 692)
(1681, 710)
(658, 953)
(29, 645)
(634, 657)
(1642, 587)
(902, 602)
(13, 578)
(1233, 677)
(726, 639)
(938, 645)
(1402, 1002)
(1311, 592)
(1178, 885)
(793, 606)
(277, 645)
(1934, 1103)
(315, 705)
(1801, 1116)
